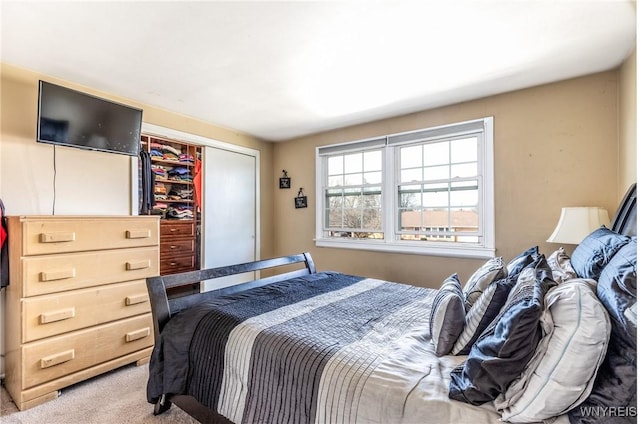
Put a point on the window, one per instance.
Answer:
(428, 191)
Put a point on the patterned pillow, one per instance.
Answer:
(560, 264)
(561, 373)
(503, 350)
(447, 315)
(595, 251)
(615, 387)
(492, 270)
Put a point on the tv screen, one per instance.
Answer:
(72, 118)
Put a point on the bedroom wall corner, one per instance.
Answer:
(628, 123)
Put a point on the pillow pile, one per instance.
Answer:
(614, 391)
(447, 315)
(490, 302)
(482, 313)
(503, 350)
(562, 371)
(545, 339)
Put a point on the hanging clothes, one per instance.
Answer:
(197, 183)
(147, 182)
(4, 248)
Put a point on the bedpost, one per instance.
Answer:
(310, 265)
(159, 304)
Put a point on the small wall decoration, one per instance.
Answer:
(285, 181)
(301, 200)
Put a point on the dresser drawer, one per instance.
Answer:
(56, 273)
(175, 228)
(178, 264)
(58, 356)
(59, 313)
(59, 235)
(169, 249)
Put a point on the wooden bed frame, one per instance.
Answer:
(163, 307)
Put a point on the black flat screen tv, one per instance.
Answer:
(71, 118)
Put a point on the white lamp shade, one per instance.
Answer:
(577, 223)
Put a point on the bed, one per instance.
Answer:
(303, 346)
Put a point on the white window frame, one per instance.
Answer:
(484, 249)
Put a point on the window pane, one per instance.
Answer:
(411, 157)
(373, 161)
(352, 218)
(464, 170)
(436, 173)
(335, 181)
(334, 165)
(372, 219)
(409, 196)
(373, 177)
(353, 179)
(410, 220)
(464, 150)
(409, 175)
(436, 153)
(465, 220)
(465, 197)
(435, 196)
(353, 163)
(335, 218)
(435, 218)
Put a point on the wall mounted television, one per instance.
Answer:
(71, 118)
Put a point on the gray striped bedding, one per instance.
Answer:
(325, 348)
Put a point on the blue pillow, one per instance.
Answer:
(595, 251)
(614, 391)
(517, 264)
(503, 350)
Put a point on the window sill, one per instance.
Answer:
(410, 248)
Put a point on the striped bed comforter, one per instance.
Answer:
(324, 348)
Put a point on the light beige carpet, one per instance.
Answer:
(112, 398)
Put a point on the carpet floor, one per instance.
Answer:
(116, 397)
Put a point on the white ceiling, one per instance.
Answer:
(279, 70)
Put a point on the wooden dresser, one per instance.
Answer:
(77, 303)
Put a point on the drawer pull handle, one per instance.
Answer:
(57, 237)
(57, 275)
(133, 265)
(58, 358)
(173, 246)
(173, 230)
(138, 334)
(54, 316)
(135, 299)
(138, 234)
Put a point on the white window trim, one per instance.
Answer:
(389, 244)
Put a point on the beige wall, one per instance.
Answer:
(628, 124)
(555, 145)
(89, 182)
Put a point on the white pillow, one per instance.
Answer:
(560, 264)
(561, 373)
